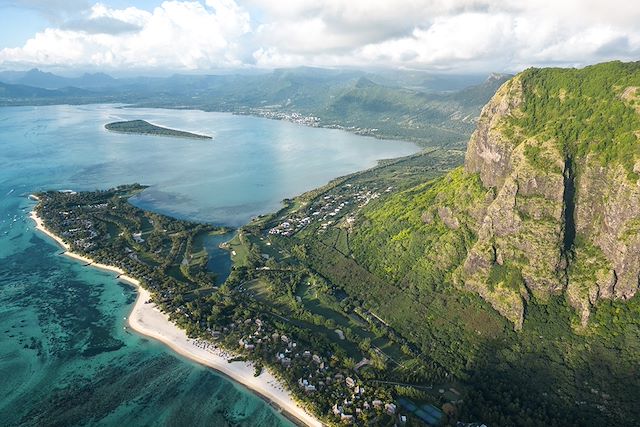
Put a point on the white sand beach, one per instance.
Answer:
(148, 320)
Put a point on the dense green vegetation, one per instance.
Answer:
(142, 127)
(21, 94)
(394, 268)
(411, 234)
(419, 330)
(165, 252)
(546, 374)
(589, 110)
(390, 272)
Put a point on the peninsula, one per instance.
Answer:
(142, 127)
(306, 363)
(101, 233)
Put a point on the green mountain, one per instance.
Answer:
(399, 112)
(542, 224)
(426, 111)
(547, 203)
(45, 80)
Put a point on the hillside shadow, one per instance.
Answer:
(548, 375)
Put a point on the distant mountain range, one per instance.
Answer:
(431, 109)
(20, 91)
(44, 80)
(417, 80)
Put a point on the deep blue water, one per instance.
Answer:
(65, 355)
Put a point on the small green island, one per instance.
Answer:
(142, 127)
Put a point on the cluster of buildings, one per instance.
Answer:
(313, 372)
(270, 113)
(82, 234)
(359, 405)
(327, 209)
(290, 226)
(290, 117)
(427, 413)
(355, 129)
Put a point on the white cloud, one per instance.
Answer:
(176, 35)
(461, 35)
(54, 10)
(100, 19)
(460, 38)
(130, 15)
(447, 34)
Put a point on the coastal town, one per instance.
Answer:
(307, 120)
(339, 204)
(314, 372)
(292, 117)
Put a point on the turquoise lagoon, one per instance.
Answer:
(66, 356)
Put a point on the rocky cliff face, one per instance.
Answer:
(548, 201)
(606, 263)
(560, 219)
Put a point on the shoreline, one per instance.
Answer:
(147, 320)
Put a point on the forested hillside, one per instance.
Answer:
(542, 224)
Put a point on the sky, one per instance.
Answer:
(211, 36)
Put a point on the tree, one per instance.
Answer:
(348, 363)
(365, 344)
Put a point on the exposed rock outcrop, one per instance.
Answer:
(565, 223)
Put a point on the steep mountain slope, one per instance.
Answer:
(400, 112)
(547, 204)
